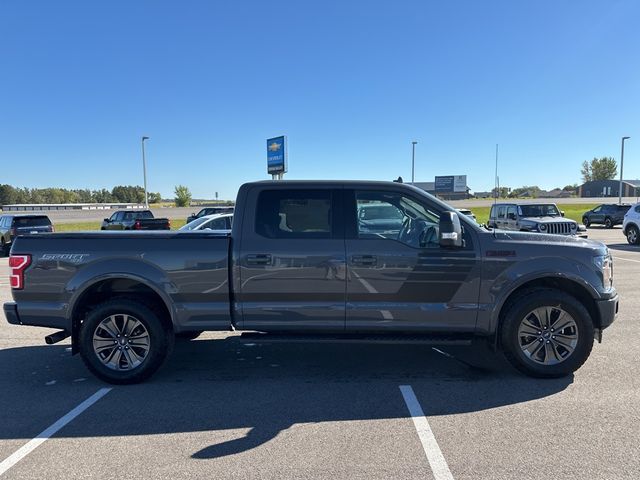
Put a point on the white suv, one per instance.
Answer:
(631, 225)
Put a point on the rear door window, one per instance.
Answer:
(21, 222)
(294, 214)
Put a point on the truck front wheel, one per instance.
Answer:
(122, 341)
(547, 333)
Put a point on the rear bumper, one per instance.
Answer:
(45, 314)
(608, 310)
(11, 312)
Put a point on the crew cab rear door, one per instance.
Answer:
(292, 259)
(398, 277)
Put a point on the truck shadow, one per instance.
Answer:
(624, 247)
(221, 385)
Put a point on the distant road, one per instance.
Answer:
(74, 216)
(486, 202)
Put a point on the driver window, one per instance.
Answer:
(396, 217)
(511, 212)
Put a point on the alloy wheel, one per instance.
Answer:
(121, 342)
(548, 335)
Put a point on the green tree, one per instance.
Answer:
(183, 196)
(604, 168)
(155, 197)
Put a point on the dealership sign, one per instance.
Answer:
(277, 155)
(451, 184)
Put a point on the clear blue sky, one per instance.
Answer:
(351, 83)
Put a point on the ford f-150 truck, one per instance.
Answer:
(301, 260)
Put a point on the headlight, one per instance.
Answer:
(542, 227)
(574, 226)
(604, 263)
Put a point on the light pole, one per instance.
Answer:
(621, 167)
(413, 162)
(144, 172)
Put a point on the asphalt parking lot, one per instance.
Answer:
(225, 407)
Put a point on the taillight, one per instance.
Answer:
(137, 225)
(52, 228)
(13, 232)
(169, 224)
(18, 264)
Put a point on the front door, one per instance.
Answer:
(399, 278)
(292, 260)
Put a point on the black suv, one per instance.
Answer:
(606, 214)
(13, 225)
(209, 211)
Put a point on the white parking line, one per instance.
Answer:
(34, 443)
(436, 460)
(627, 259)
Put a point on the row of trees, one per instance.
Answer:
(122, 193)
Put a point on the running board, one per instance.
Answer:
(364, 339)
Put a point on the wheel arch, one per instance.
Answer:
(108, 287)
(563, 284)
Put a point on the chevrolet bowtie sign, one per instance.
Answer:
(277, 155)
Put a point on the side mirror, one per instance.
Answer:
(107, 220)
(562, 213)
(450, 230)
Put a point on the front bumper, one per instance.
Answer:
(608, 310)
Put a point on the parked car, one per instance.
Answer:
(298, 262)
(379, 217)
(135, 220)
(533, 217)
(209, 211)
(13, 225)
(631, 225)
(468, 213)
(218, 221)
(605, 214)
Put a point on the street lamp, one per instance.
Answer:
(413, 162)
(144, 172)
(621, 167)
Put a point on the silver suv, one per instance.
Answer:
(533, 217)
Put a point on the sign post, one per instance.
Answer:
(277, 157)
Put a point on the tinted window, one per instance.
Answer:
(145, 214)
(31, 221)
(294, 214)
(215, 224)
(396, 217)
(637, 209)
(623, 208)
(597, 209)
(502, 211)
(511, 212)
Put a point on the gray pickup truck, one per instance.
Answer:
(301, 261)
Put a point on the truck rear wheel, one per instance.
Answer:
(122, 341)
(547, 333)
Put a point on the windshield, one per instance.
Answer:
(538, 211)
(195, 223)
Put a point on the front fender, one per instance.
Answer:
(497, 289)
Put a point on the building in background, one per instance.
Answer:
(609, 188)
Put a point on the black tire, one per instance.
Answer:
(586, 222)
(633, 235)
(608, 223)
(160, 338)
(188, 335)
(517, 311)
